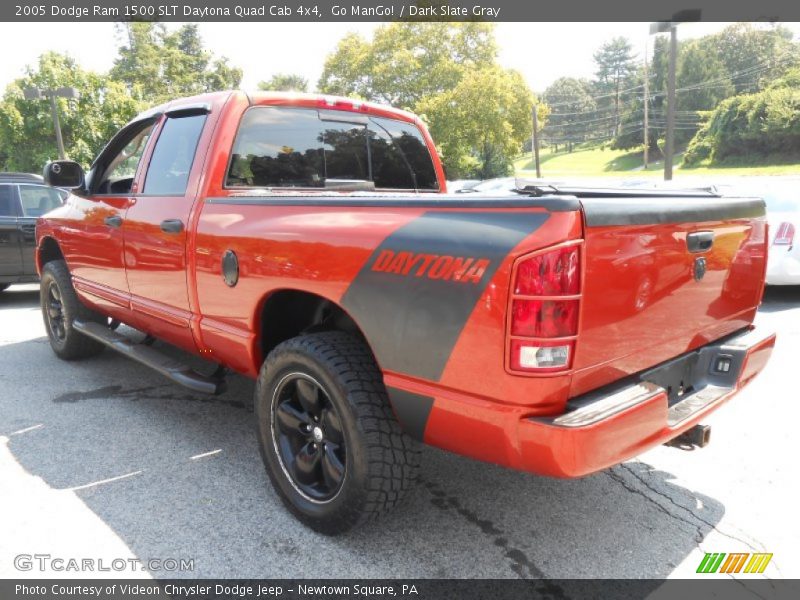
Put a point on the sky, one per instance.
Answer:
(542, 52)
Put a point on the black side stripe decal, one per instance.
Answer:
(412, 411)
(411, 307)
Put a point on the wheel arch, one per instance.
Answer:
(288, 312)
(47, 251)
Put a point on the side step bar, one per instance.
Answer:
(173, 369)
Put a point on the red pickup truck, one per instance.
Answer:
(307, 241)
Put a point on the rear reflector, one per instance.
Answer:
(530, 355)
(784, 236)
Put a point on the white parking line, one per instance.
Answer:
(103, 481)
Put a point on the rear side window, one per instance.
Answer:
(38, 200)
(7, 202)
(297, 147)
(168, 173)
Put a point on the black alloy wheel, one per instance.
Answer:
(308, 437)
(55, 312)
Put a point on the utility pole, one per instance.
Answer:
(669, 145)
(662, 27)
(535, 141)
(646, 103)
(63, 92)
(62, 155)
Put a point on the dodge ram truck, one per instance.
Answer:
(308, 242)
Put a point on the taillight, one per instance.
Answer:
(544, 308)
(552, 274)
(784, 236)
(544, 318)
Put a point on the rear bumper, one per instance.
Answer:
(612, 425)
(607, 426)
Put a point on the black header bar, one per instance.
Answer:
(394, 10)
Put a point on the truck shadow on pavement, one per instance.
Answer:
(175, 475)
(780, 297)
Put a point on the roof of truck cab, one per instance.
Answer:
(325, 101)
(273, 98)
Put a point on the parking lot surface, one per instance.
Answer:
(105, 459)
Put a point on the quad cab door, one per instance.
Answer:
(92, 239)
(157, 225)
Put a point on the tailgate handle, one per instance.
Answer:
(700, 241)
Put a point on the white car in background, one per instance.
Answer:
(782, 197)
(783, 215)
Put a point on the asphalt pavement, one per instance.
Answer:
(103, 459)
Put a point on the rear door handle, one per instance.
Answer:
(114, 221)
(700, 241)
(172, 226)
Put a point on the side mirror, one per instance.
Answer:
(64, 174)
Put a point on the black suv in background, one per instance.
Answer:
(23, 198)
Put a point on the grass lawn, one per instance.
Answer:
(596, 162)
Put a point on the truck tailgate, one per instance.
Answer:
(664, 275)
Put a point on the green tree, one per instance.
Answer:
(406, 62)
(27, 135)
(478, 112)
(481, 123)
(157, 65)
(285, 82)
(572, 111)
(754, 56)
(615, 64)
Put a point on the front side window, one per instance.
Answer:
(118, 176)
(38, 199)
(168, 173)
(298, 147)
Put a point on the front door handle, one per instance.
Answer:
(114, 221)
(172, 226)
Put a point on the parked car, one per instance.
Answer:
(304, 241)
(782, 198)
(783, 215)
(23, 198)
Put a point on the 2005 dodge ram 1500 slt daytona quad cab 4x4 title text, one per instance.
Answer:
(306, 241)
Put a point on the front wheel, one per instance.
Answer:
(331, 445)
(60, 308)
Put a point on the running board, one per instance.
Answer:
(179, 372)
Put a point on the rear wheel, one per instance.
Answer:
(60, 309)
(331, 445)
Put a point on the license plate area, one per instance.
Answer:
(716, 366)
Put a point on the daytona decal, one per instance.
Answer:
(417, 290)
(466, 270)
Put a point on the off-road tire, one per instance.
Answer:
(72, 345)
(381, 460)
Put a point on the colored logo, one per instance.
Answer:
(744, 562)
